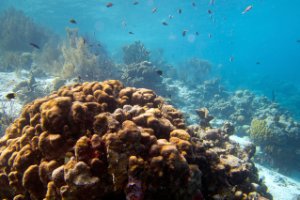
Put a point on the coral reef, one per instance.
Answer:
(229, 172)
(194, 71)
(143, 74)
(260, 132)
(135, 53)
(279, 138)
(273, 128)
(80, 60)
(15, 61)
(116, 142)
(17, 31)
(30, 89)
(7, 113)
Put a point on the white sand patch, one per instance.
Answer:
(280, 186)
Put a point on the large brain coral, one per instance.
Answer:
(99, 140)
(102, 140)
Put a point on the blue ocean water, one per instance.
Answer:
(258, 50)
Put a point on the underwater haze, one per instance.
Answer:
(257, 50)
(237, 63)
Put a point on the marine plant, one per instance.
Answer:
(15, 61)
(48, 60)
(80, 60)
(194, 71)
(135, 53)
(17, 31)
(113, 142)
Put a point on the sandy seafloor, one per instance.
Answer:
(280, 186)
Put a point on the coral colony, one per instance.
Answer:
(81, 131)
(116, 142)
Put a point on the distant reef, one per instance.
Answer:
(107, 141)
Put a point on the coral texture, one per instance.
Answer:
(135, 53)
(116, 142)
(143, 74)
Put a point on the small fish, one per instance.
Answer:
(109, 4)
(298, 41)
(194, 4)
(184, 33)
(247, 9)
(165, 23)
(131, 33)
(209, 12)
(135, 3)
(231, 58)
(258, 63)
(179, 11)
(159, 72)
(197, 33)
(73, 21)
(171, 16)
(209, 35)
(34, 45)
(154, 10)
(10, 95)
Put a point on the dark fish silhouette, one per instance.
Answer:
(135, 3)
(165, 23)
(159, 72)
(197, 33)
(10, 95)
(73, 21)
(209, 12)
(179, 11)
(109, 4)
(258, 63)
(194, 4)
(184, 33)
(154, 10)
(34, 45)
(131, 33)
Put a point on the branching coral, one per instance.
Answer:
(135, 53)
(116, 142)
